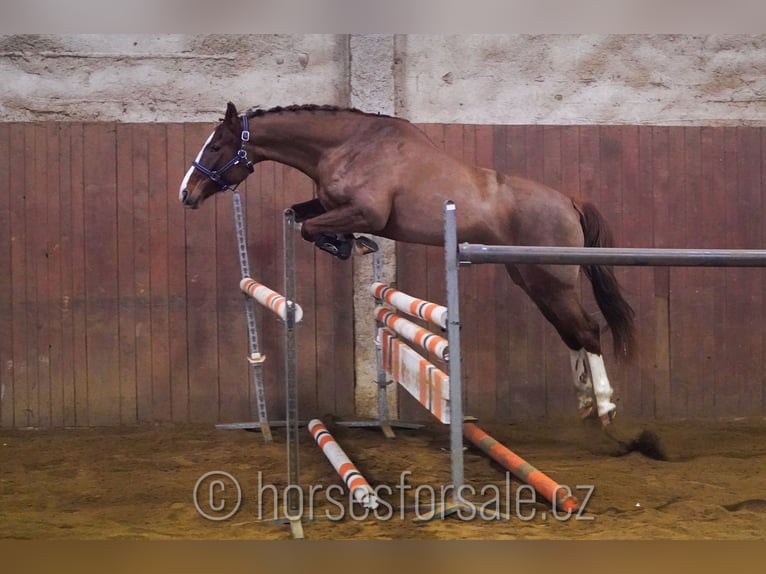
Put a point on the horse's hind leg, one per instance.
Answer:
(555, 295)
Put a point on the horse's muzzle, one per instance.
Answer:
(187, 201)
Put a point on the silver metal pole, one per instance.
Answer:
(291, 376)
(255, 358)
(453, 336)
(477, 253)
(384, 417)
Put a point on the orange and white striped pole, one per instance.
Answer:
(356, 483)
(425, 339)
(521, 469)
(269, 298)
(436, 314)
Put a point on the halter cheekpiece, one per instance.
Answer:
(217, 175)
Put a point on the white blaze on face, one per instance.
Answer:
(189, 173)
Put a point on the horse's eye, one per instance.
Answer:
(215, 147)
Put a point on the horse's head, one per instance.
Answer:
(221, 164)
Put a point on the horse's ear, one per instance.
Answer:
(231, 113)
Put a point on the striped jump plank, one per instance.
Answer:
(416, 334)
(421, 378)
(420, 308)
(269, 298)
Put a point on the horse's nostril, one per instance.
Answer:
(184, 195)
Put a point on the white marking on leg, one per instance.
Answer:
(582, 383)
(189, 173)
(601, 387)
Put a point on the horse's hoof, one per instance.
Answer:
(364, 245)
(607, 418)
(586, 412)
(339, 248)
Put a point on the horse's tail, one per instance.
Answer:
(616, 310)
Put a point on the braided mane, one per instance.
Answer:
(257, 112)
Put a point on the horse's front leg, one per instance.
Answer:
(307, 209)
(592, 385)
(332, 231)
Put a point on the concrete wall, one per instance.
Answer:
(166, 78)
(510, 79)
(590, 79)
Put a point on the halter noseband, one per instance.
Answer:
(217, 175)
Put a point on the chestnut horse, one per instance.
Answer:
(382, 175)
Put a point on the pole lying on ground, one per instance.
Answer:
(356, 483)
(521, 469)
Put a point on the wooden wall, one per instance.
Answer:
(117, 306)
(701, 330)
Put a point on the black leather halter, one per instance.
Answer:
(241, 158)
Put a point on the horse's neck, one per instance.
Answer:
(300, 139)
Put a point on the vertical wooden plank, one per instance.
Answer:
(6, 281)
(78, 292)
(763, 272)
(749, 287)
(177, 324)
(333, 302)
(53, 256)
(662, 223)
(727, 387)
(649, 316)
(571, 186)
(681, 377)
(710, 214)
(681, 282)
(506, 371)
(30, 214)
(101, 279)
(590, 171)
(202, 298)
(700, 300)
(17, 185)
(557, 370)
(158, 280)
(539, 332)
(142, 273)
(610, 203)
(126, 241)
(34, 214)
(526, 390)
(486, 296)
(41, 346)
(628, 379)
(66, 208)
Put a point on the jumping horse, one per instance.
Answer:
(381, 175)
